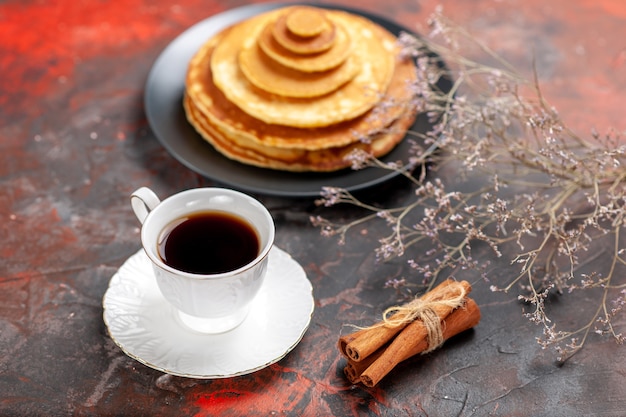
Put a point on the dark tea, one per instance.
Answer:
(209, 242)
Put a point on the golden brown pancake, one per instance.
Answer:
(306, 22)
(322, 61)
(273, 77)
(296, 160)
(216, 106)
(307, 115)
(374, 47)
(304, 30)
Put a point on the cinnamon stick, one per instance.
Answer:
(347, 339)
(458, 321)
(363, 343)
(411, 341)
(353, 369)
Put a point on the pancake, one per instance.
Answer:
(322, 61)
(306, 22)
(331, 159)
(304, 30)
(373, 45)
(214, 104)
(310, 114)
(273, 77)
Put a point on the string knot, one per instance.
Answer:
(424, 309)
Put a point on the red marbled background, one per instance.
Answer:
(74, 142)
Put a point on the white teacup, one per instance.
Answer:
(205, 302)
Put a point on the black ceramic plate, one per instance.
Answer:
(163, 104)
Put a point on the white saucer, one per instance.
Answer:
(146, 327)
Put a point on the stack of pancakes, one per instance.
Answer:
(299, 88)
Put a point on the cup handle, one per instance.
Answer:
(143, 200)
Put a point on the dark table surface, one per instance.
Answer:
(75, 142)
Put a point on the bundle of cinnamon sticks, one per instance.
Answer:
(405, 331)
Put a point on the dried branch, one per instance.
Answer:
(547, 196)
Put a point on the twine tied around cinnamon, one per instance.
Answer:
(426, 310)
(414, 328)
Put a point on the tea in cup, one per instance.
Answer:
(209, 251)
